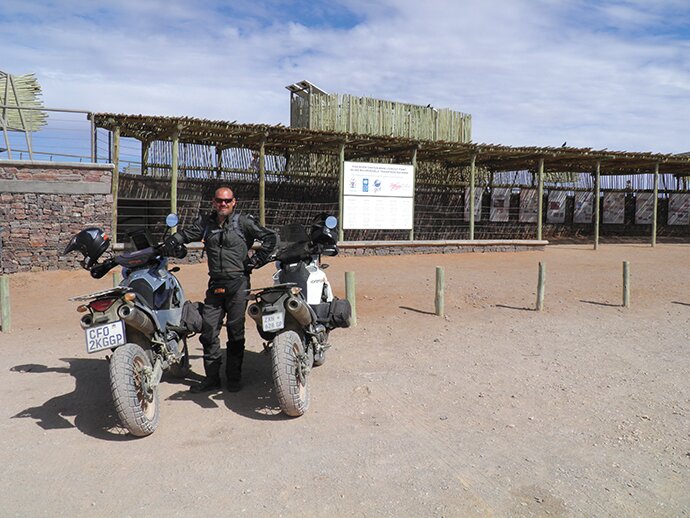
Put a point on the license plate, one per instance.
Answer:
(273, 322)
(105, 336)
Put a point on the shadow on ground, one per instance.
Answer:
(257, 398)
(90, 403)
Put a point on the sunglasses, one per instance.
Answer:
(227, 201)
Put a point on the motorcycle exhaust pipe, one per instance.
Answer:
(137, 319)
(254, 311)
(299, 310)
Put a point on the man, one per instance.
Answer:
(227, 238)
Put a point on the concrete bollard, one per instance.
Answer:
(5, 314)
(540, 286)
(350, 296)
(439, 300)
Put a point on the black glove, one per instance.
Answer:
(252, 263)
(170, 246)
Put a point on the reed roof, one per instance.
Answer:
(280, 140)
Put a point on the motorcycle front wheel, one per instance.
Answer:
(290, 368)
(138, 409)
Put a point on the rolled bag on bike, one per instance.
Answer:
(334, 314)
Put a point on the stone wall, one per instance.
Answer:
(439, 247)
(42, 204)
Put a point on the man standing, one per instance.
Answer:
(227, 238)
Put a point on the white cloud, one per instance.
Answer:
(611, 74)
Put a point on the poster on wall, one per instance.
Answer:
(378, 196)
(584, 207)
(478, 192)
(388, 213)
(614, 208)
(679, 209)
(528, 205)
(644, 208)
(555, 210)
(500, 204)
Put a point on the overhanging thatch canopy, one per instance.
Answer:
(280, 140)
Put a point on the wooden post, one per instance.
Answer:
(439, 300)
(5, 304)
(541, 281)
(656, 202)
(597, 216)
(92, 125)
(414, 176)
(219, 161)
(341, 191)
(472, 182)
(174, 171)
(350, 295)
(115, 180)
(540, 200)
(145, 146)
(626, 284)
(262, 183)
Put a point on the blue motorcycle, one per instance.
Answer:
(145, 321)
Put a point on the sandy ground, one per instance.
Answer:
(495, 410)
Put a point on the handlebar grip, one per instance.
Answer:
(99, 270)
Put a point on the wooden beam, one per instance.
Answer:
(173, 174)
(597, 216)
(341, 190)
(540, 200)
(656, 202)
(262, 183)
(115, 180)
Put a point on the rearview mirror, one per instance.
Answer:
(331, 222)
(172, 220)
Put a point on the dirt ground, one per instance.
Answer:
(495, 410)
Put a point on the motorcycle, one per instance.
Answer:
(145, 321)
(296, 315)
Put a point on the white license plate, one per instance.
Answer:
(273, 322)
(105, 336)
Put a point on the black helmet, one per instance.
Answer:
(91, 242)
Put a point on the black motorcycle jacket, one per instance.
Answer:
(227, 245)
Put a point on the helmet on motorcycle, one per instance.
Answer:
(91, 242)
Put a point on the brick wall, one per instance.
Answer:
(42, 204)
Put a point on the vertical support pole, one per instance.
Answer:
(597, 215)
(626, 284)
(27, 132)
(541, 281)
(175, 170)
(5, 117)
(93, 137)
(262, 183)
(341, 191)
(540, 199)
(414, 185)
(115, 180)
(439, 300)
(656, 202)
(116, 279)
(219, 161)
(351, 296)
(472, 187)
(5, 304)
(145, 147)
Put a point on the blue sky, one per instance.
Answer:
(600, 74)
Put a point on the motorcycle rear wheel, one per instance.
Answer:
(289, 360)
(139, 411)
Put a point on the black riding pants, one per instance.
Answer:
(226, 298)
